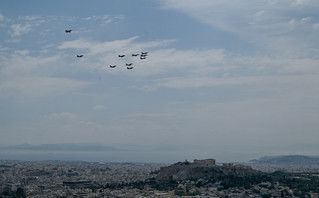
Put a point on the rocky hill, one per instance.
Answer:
(288, 159)
(203, 169)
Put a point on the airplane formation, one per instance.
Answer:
(129, 66)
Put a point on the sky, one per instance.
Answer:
(230, 80)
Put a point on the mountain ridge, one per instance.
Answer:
(288, 160)
(63, 147)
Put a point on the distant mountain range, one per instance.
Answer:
(288, 160)
(62, 147)
(94, 147)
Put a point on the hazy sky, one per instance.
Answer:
(222, 78)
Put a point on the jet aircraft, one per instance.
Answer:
(144, 53)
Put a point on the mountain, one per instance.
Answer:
(288, 160)
(62, 147)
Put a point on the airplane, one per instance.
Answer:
(135, 54)
(79, 56)
(129, 64)
(68, 31)
(129, 67)
(121, 56)
(112, 66)
(144, 53)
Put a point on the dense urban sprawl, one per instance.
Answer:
(89, 180)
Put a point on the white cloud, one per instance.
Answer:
(32, 18)
(215, 68)
(262, 23)
(226, 15)
(126, 46)
(13, 41)
(1, 17)
(172, 61)
(96, 48)
(106, 19)
(76, 44)
(24, 76)
(61, 117)
(20, 63)
(196, 82)
(63, 127)
(19, 29)
(100, 107)
(23, 88)
(316, 26)
(306, 19)
(299, 2)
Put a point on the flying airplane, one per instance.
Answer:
(144, 53)
(121, 56)
(79, 56)
(68, 31)
(135, 54)
(112, 66)
(129, 64)
(129, 67)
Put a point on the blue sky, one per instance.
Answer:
(223, 79)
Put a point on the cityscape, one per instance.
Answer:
(36, 179)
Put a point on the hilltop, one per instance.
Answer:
(288, 163)
(288, 159)
(203, 169)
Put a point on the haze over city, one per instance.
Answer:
(229, 80)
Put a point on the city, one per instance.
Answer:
(94, 179)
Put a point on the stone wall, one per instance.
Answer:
(206, 162)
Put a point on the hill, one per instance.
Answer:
(203, 169)
(61, 147)
(288, 160)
